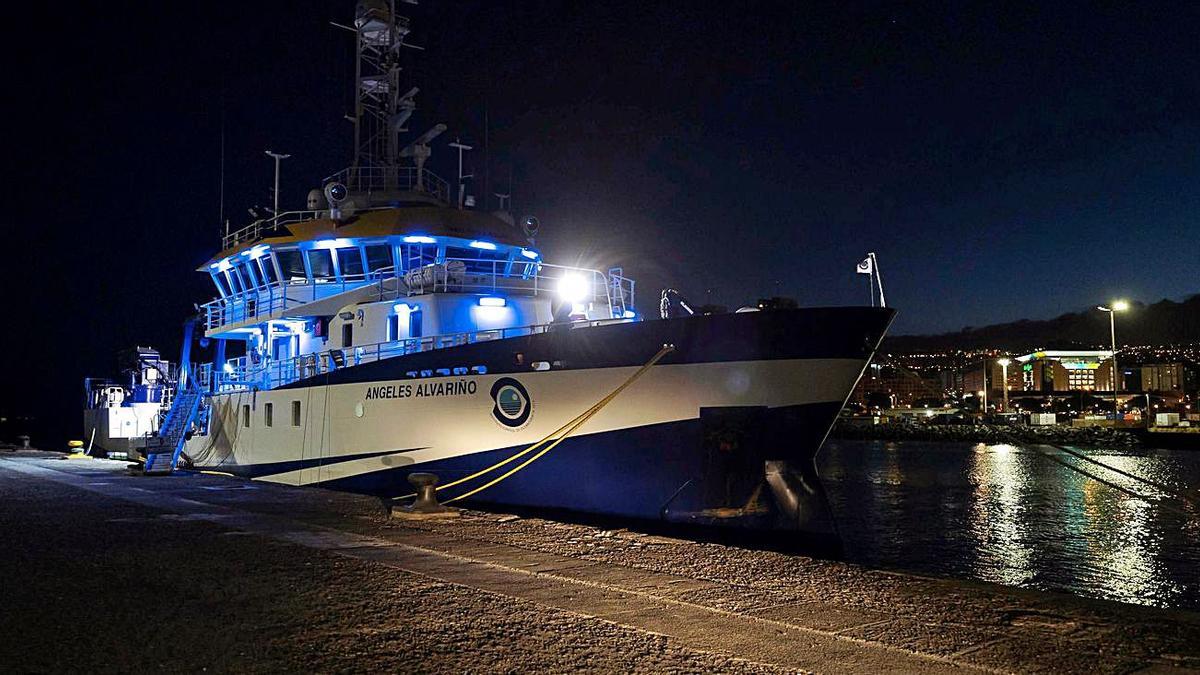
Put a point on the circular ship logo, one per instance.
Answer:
(512, 402)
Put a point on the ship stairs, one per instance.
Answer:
(616, 293)
(163, 450)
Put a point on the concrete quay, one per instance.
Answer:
(103, 571)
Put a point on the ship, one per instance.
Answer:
(399, 325)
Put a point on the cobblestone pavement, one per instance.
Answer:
(103, 571)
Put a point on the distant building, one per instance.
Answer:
(972, 380)
(1168, 377)
(900, 387)
(1066, 370)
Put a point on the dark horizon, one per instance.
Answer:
(1003, 163)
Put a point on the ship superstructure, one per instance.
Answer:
(392, 326)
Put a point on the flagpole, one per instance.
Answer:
(879, 277)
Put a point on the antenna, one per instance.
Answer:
(221, 188)
(278, 158)
(461, 186)
(487, 154)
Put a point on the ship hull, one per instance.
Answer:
(723, 430)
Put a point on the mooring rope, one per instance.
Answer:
(557, 436)
(1115, 486)
(1180, 494)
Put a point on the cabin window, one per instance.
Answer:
(350, 263)
(414, 323)
(379, 256)
(320, 261)
(295, 413)
(246, 416)
(347, 334)
(291, 265)
(393, 328)
(269, 414)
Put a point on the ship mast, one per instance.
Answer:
(380, 108)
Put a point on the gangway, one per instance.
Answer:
(163, 450)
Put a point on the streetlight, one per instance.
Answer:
(1118, 306)
(1004, 368)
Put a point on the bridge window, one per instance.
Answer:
(291, 265)
(393, 327)
(267, 267)
(479, 261)
(295, 413)
(246, 416)
(379, 256)
(418, 255)
(320, 261)
(347, 334)
(222, 283)
(350, 263)
(235, 281)
(269, 414)
(249, 278)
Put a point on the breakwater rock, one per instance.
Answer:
(1096, 437)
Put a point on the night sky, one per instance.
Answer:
(1004, 163)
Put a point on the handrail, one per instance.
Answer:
(496, 275)
(269, 373)
(392, 178)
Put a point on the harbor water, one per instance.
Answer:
(1007, 514)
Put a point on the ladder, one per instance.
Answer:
(163, 450)
(616, 294)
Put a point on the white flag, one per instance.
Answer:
(866, 266)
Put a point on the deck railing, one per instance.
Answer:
(363, 180)
(248, 372)
(474, 276)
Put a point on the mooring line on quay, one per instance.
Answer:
(1175, 492)
(1119, 488)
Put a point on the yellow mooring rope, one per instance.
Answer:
(557, 436)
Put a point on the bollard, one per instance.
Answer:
(426, 504)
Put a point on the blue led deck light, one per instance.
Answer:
(532, 255)
(419, 239)
(492, 301)
(485, 245)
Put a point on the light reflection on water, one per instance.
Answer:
(1006, 514)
